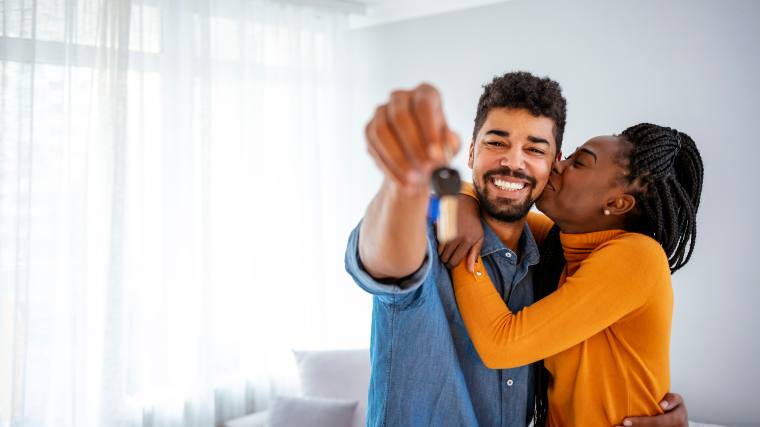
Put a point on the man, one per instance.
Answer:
(425, 370)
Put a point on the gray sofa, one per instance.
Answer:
(341, 374)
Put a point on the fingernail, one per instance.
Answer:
(664, 404)
(627, 423)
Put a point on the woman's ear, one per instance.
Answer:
(619, 205)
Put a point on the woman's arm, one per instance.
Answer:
(613, 281)
(540, 225)
(470, 238)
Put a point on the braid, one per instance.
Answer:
(545, 281)
(667, 165)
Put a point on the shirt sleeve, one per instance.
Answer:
(613, 281)
(398, 292)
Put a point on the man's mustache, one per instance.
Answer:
(507, 171)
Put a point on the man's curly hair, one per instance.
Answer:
(520, 89)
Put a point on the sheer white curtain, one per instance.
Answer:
(169, 217)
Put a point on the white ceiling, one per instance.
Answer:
(386, 11)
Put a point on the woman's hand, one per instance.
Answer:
(675, 415)
(470, 238)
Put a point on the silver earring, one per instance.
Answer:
(607, 212)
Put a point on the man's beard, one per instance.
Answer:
(500, 208)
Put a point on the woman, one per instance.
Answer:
(625, 213)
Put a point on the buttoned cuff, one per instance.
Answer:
(393, 291)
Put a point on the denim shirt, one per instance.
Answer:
(425, 369)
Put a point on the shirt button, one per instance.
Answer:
(508, 254)
(510, 382)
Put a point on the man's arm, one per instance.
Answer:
(408, 138)
(393, 236)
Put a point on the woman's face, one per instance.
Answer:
(586, 183)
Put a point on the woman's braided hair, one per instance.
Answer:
(667, 168)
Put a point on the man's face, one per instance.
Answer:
(511, 159)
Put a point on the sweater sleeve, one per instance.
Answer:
(615, 280)
(467, 189)
(540, 225)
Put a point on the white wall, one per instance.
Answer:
(693, 65)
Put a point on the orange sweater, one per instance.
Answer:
(604, 334)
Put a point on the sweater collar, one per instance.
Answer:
(578, 246)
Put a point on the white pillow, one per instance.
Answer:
(337, 374)
(311, 411)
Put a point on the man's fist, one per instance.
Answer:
(408, 137)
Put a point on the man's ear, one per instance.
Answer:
(471, 158)
(559, 156)
(620, 204)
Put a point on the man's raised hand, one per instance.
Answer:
(408, 137)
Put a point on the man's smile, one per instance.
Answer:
(508, 186)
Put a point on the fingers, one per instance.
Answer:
(452, 144)
(675, 416)
(449, 249)
(402, 121)
(381, 163)
(408, 137)
(653, 421)
(428, 112)
(385, 148)
(453, 252)
(458, 255)
(472, 255)
(671, 401)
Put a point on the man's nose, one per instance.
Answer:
(513, 159)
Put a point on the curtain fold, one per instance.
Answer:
(170, 222)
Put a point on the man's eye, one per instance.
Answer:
(536, 150)
(493, 143)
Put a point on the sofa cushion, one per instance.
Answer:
(311, 411)
(337, 374)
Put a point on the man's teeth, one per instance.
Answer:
(509, 186)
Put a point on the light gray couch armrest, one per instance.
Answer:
(257, 419)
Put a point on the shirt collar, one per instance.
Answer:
(526, 246)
